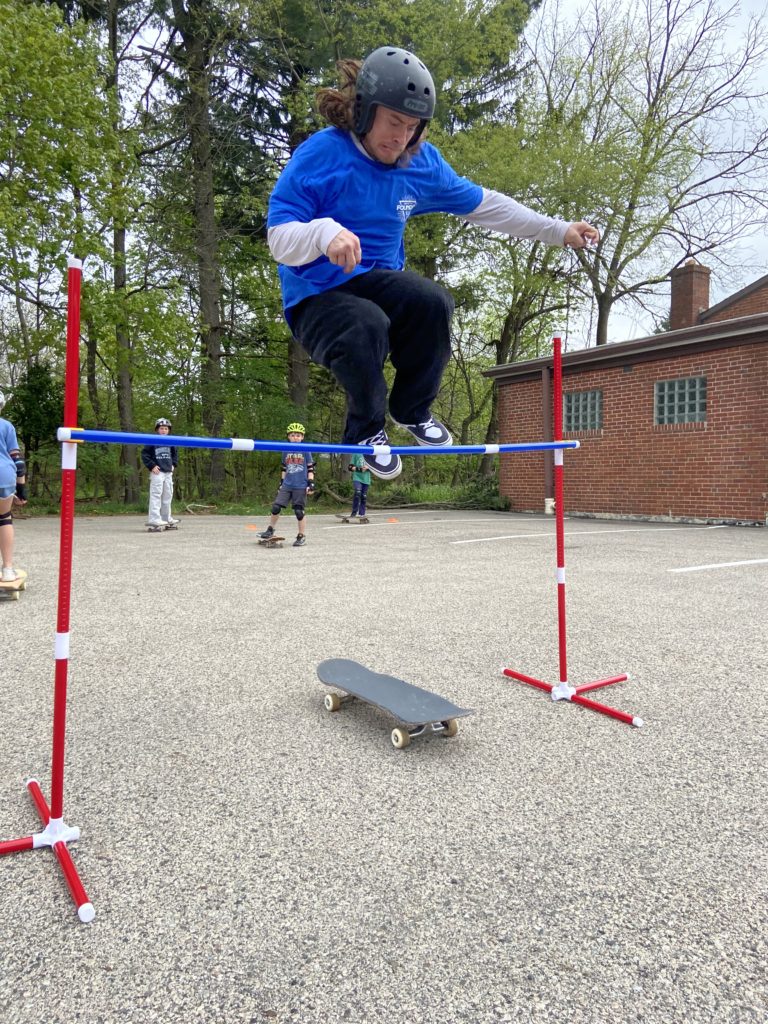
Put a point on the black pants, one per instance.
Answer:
(353, 328)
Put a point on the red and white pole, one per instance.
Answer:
(563, 691)
(559, 511)
(55, 833)
(68, 484)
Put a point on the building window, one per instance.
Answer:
(681, 401)
(583, 410)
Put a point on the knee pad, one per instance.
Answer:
(299, 510)
(277, 509)
(6, 518)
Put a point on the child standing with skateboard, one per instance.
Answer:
(160, 460)
(361, 481)
(12, 489)
(297, 479)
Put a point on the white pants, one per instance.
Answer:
(160, 494)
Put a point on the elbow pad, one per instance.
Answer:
(21, 466)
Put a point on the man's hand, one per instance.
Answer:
(344, 251)
(581, 234)
(155, 470)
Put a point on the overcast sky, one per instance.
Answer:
(751, 257)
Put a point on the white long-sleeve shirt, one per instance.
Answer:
(296, 243)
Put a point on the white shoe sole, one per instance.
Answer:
(422, 442)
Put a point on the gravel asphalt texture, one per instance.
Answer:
(252, 857)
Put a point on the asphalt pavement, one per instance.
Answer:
(252, 857)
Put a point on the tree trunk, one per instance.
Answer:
(128, 457)
(298, 359)
(604, 302)
(298, 374)
(191, 23)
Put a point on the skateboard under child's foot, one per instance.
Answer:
(273, 541)
(172, 524)
(9, 590)
(155, 527)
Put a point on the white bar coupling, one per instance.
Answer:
(242, 444)
(61, 647)
(69, 455)
(558, 456)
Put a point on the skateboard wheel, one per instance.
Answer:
(451, 727)
(400, 738)
(332, 702)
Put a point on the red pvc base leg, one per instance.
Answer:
(573, 694)
(56, 835)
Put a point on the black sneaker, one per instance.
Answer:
(266, 534)
(382, 464)
(431, 433)
(300, 541)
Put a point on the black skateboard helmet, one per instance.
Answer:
(394, 78)
(162, 422)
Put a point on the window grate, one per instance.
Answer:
(681, 401)
(583, 410)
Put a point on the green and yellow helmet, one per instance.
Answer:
(295, 428)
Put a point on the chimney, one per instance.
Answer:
(690, 294)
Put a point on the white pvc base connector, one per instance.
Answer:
(55, 832)
(563, 692)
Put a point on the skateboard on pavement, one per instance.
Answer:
(271, 542)
(10, 591)
(417, 710)
(349, 519)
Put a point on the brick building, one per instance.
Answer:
(672, 426)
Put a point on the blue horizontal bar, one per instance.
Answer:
(237, 444)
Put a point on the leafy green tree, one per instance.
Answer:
(672, 137)
(55, 144)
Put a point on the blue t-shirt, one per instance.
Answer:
(328, 176)
(296, 466)
(8, 444)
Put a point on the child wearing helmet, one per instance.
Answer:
(12, 491)
(361, 481)
(160, 460)
(336, 222)
(297, 479)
